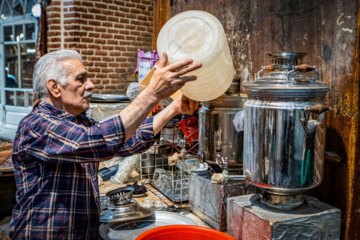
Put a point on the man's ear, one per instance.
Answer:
(54, 88)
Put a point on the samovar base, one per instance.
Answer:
(281, 202)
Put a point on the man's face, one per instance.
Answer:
(75, 96)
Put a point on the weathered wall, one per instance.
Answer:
(107, 33)
(328, 30)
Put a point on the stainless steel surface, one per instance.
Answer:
(279, 154)
(109, 98)
(132, 229)
(284, 147)
(217, 131)
(127, 212)
(237, 177)
(285, 83)
(285, 60)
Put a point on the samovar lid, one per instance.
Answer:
(287, 80)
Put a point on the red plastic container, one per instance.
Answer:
(184, 232)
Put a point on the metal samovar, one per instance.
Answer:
(218, 137)
(284, 132)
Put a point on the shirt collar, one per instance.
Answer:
(44, 107)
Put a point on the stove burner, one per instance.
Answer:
(121, 196)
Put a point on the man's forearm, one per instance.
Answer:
(163, 117)
(137, 111)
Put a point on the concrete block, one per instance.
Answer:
(208, 200)
(247, 219)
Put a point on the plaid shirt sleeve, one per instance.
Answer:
(68, 142)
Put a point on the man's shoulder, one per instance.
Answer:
(37, 120)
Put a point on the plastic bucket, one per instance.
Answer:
(182, 232)
(199, 36)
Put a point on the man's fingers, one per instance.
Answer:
(188, 78)
(180, 64)
(163, 60)
(187, 69)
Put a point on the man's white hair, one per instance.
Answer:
(51, 66)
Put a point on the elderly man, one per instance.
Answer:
(57, 149)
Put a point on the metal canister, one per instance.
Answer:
(284, 131)
(218, 137)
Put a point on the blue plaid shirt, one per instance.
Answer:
(56, 158)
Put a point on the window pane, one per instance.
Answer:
(29, 5)
(27, 64)
(30, 31)
(6, 12)
(9, 98)
(8, 34)
(30, 98)
(20, 99)
(11, 66)
(19, 35)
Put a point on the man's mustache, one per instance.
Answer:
(88, 94)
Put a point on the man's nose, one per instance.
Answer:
(89, 85)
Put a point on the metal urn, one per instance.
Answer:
(218, 137)
(284, 131)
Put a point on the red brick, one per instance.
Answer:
(87, 40)
(107, 24)
(102, 75)
(107, 12)
(87, 52)
(87, 3)
(87, 16)
(94, 58)
(94, 35)
(101, 5)
(130, 4)
(107, 70)
(112, 7)
(101, 53)
(141, 17)
(115, 54)
(113, 30)
(94, 10)
(111, 41)
(98, 29)
(101, 64)
(108, 48)
(108, 59)
(141, 6)
(124, 9)
(94, 69)
(119, 14)
(136, 11)
(113, 19)
(117, 25)
(120, 48)
(131, 27)
(69, 15)
(87, 28)
(100, 17)
(114, 65)
(69, 3)
(94, 23)
(99, 41)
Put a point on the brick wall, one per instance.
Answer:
(107, 34)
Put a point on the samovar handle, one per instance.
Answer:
(309, 125)
(307, 68)
(267, 67)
